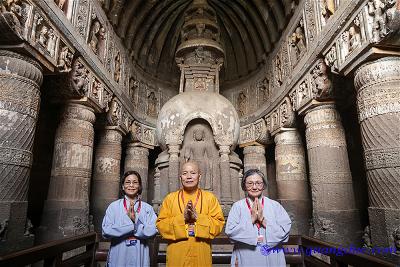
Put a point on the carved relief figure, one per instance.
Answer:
(303, 92)
(37, 20)
(199, 146)
(331, 58)
(95, 35)
(114, 113)
(79, 78)
(355, 38)
(278, 71)
(242, 103)
(200, 84)
(367, 237)
(323, 85)
(13, 6)
(61, 3)
(327, 10)
(43, 36)
(378, 9)
(133, 86)
(51, 44)
(345, 44)
(262, 87)
(65, 59)
(117, 67)
(152, 104)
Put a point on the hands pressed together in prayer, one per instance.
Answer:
(131, 211)
(190, 213)
(257, 213)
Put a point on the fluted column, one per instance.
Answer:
(137, 159)
(106, 173)
(291, 179)
(20, 80)
(378, 101)
(335, 216)
(66, 210)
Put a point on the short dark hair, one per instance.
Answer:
(126, 174)
(250, 173)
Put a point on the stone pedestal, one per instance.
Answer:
(335, 216)
(378, 101)
(106, 174)
(20, 80)
(137, 159)
(291, 179)
(66, 210)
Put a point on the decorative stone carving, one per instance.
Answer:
(152, 102)
(12, 12)
(96, 90)
(242, 103)
(331, 58)
(82, 17)
(278, 69)
(396, 239)
(199, 145)
(263, 90)
(287, 116)
(96, 36)
(114, 114)
(133, 89)
(297, 43)
(379, 11)
(79, 78)
(367, 237)
(327, 10)
(322, 88)
(309, 15)
(117, 67)
(65, 60)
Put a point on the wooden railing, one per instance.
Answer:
(296, 254)
(52, 253)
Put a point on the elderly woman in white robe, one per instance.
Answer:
(128, 223)
(257, 225)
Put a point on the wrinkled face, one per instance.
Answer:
(190, 176)
(254, 186)
(131, 186)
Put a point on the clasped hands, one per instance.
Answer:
(257, 214)
(131, 212)
(190, 213)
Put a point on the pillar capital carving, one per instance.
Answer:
(258, 149)
(79, 111)
(287, 136)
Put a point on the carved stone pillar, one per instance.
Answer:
(226, 193)
(291, 179)
(106, 173)
(66, 210)
(20, 80)
(137, 159)
(335, 216)
(173, 169)
(378, 101)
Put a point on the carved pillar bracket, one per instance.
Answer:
(20, 80)
(335, 216)
(378, 101)
(106, 173)
(66, 210)
(137, 159)
(291, 178)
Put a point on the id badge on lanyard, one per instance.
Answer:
(131, 241)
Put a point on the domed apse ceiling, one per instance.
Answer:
(150, 30)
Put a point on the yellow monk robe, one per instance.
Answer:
(185, 250)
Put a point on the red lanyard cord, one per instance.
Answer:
(139, 207)
(262, 206)
(199, 193)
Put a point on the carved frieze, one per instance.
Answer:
(255, 132)
(97, 37)
(143, 133)
(297, 43)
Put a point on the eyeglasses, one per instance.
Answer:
(251, 184)
(131, 183)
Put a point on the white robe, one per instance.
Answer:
(117, 226)
(244, 233)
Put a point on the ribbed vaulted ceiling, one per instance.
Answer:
(150, 30)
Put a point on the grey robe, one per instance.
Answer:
(117, 226)
(244, 234)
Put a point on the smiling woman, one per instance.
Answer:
(128, 223)
(257, 222)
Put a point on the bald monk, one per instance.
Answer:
(189, 219)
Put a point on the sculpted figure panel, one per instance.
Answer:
(199, 145)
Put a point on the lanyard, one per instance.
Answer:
(197, 199)
(262, 206)
(139, 207)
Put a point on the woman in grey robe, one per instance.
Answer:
(257, 225)
(128, 223)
